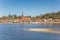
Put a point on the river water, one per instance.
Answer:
(16, 32)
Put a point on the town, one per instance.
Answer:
(46, 18)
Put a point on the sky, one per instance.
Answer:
(29, 7)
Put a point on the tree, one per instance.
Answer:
(14, 16)
(9, 16)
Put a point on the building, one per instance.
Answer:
(48, 20)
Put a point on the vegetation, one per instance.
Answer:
(52, 15)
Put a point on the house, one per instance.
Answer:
(16, 20)
(25, 19)
(56, 20)
(48, 20)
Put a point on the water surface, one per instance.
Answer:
(16, 32)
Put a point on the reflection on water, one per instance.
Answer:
(16, 32)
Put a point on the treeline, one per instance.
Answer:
(53, 15)
(46, 15)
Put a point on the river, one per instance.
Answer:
(16, 32)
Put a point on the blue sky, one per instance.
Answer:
(29, 7)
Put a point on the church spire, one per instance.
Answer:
(22, 13)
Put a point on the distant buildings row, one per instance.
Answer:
(29, 20)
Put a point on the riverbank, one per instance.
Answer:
(34, 23)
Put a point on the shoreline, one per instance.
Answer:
(35, 23)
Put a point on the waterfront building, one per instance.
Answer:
(56, 20)
(48, 20)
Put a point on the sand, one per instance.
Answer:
(48, 30)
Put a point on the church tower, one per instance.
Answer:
(22, 14)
